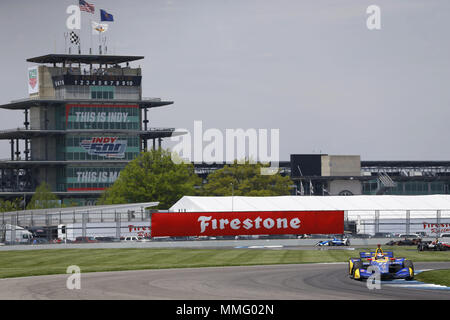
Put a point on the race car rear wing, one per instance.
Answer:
(366, 255)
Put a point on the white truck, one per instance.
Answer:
(11, 234)
(71, 232)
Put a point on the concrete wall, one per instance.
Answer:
(35, 118)
(43, 149)
(46, 89)
(325, 165)
(43, 118)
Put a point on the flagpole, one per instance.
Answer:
(90, 49)
(66, 34)
(99, 43)
(105, 47)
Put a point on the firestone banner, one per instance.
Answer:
(180, 224)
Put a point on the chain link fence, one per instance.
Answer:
(426, 223)
(114, 225)
(76, 226)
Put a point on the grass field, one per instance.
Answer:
(441, 277)
(56, 261)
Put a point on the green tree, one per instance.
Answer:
(43, 198)
(246, 180)
(14, 205)
(153, 176)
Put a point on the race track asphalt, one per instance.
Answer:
(274, 282)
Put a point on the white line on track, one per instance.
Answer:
(401, 283)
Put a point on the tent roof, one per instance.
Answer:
(306, 203)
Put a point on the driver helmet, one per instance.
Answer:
(380, 256)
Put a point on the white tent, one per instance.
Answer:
(397, 211)
(301, 203)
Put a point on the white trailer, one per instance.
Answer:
(16, 235)
(103, 229)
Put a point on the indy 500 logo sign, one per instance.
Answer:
(109, 147)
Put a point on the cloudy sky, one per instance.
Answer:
(311, 69)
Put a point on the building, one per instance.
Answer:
(328, 175)
(84, 120)
(321, 174)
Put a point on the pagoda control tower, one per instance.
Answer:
(84, 120)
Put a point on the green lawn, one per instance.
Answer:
(56, 261)
(441, 277)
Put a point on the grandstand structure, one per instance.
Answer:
(325, 175)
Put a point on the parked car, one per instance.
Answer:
(409, 236)
(384, 235)
(144, 239)
(107, 239)
(85, 240)
(61, 241)
(130, 239)
(421, 234)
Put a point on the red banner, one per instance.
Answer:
(180, 224)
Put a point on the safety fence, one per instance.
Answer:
(109, 226)
(429, 222)
(81, 226)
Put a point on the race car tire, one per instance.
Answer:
(355, 272)
(351, 265)
(408, 264)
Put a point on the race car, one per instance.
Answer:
(433, 246)
(404, 242)
(336, 241)
(382, 262)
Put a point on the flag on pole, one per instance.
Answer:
(311, 188)
(87, 7)
(302, 189)
(98, 28)
(105, 16)
(74, 38)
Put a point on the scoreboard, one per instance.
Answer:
(96, 80)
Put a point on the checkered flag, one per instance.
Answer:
(74, 38)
